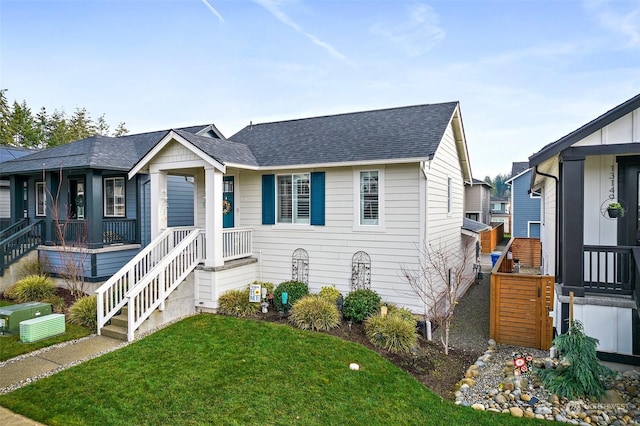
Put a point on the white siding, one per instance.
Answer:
(209, 285)
(600, 183)
(331, 247)
(623, 130)
(548, 218)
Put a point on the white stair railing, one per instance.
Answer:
(111, 296)
(151, 291)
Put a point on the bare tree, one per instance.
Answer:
(71, 238)
(443, 275)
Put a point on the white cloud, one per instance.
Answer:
(273, 7)
(418, 34)
(622, 17)
(213, 10)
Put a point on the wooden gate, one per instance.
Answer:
(520, 306)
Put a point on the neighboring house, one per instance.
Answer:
(525, 204)
(8, 153)
(500, 212)
(83, 187)
(593, 256)
(477, 201)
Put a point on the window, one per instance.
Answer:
(369, 198)
(294, 198)
(534, 194)
(473, 216)
(41, 199)
(114, 197)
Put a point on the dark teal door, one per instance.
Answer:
(227, 202)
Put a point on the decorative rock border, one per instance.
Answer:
(490, 385)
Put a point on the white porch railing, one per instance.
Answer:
(153, 289)
(237, 243)
(111, 296)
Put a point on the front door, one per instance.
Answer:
(227, 202)
(629, 197)
(76, 198)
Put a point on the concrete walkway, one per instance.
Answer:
(45, 362)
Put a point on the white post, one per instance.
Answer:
(213, 215)
(159, 202)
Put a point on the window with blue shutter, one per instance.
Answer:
(268, 199)
(317, 198)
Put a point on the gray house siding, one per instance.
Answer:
(180, 194)
(525, 209)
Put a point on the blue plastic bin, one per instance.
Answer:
(494, 258)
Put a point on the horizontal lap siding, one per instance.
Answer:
(108, 263)
(331, 247)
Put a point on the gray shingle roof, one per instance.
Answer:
(223, 151)
(518, 167)
(387, 134)
(474, 226)
(12, 152)
(97, 152)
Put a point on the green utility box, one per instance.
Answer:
(11, 316)
(41, 327)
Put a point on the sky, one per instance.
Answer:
(525, 73)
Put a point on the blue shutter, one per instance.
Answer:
(268, 199)
(317, 198)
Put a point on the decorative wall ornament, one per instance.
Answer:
(360, 271)
(300, 266)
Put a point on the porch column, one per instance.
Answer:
(213, 217)
(94, 211)
(572, 219)
(158, 202)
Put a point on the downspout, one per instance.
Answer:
(557, 248)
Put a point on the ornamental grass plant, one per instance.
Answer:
(84, 312)
(236, 303)
(314, 312)
(392, 332)
(33, 288)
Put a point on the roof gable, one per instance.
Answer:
(405, 133)
(577, 135)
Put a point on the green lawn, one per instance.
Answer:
(216, 370)
(11, 346)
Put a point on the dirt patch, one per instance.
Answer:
(428, 364)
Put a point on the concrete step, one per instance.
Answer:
(115, 332)
(120, 321)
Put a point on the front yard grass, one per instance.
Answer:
(215, 370)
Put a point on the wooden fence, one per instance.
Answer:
(520, 305)
(490, 239)
(528, 251)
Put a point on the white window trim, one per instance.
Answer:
(534, 194)
(357, 226)
(124, 196)
(292, 223)
(531, 222)
(44, 203)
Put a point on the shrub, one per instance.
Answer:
(34, 288)
(330, 293)
(296, 291)
(393, 332)
(313, 312)
(57, 303)
(583, 376)
(84, 312)
(360, 304)
(236, 303)
(403, 312)
(31, 266)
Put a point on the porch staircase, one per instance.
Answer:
(143, 285)
(18, 240)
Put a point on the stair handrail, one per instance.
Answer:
(152, 290)
(111, 295)
(25, 239)
(13, 228)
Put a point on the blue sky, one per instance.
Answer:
(525, 72)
